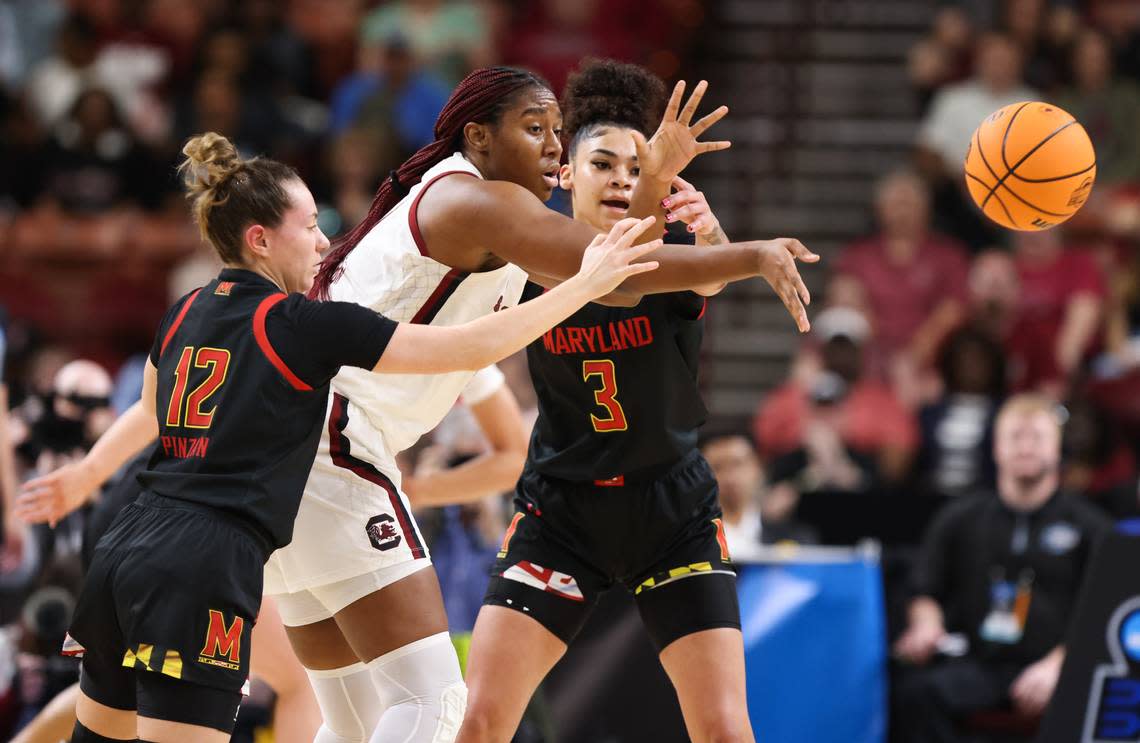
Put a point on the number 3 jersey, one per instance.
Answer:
(617, 388)
(243, 381)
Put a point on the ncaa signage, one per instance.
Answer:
(1114, 702)
(1097, 699)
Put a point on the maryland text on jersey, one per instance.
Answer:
(619, 335)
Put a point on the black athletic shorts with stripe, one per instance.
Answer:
(165, 617)
(661, 538)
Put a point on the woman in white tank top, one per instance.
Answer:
(452, 234)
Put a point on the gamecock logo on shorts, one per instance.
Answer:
(382, 532)
(544, 579)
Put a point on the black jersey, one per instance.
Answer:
(243, 376)
(617, 388)
(982, 560)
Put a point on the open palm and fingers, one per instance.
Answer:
(674, 145)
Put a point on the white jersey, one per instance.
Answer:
(353, 519)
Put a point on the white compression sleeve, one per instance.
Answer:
(350, 704)
(422, 692)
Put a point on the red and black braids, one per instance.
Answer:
(481, 97)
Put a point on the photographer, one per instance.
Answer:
(42, 572)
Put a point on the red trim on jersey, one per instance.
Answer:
(267, 348)
(704, 306)
(178, 320)
(447, 286)
(413, 220)
(340, 449)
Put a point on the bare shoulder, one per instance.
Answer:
(458, 215)
(456, 197)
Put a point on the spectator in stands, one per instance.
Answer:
(943, 56)
(27, 37)
(1108, 107)
(448, 38)
(57, 81)
(280, 61)
(215, 104)
(739, 477)
(1122, 21)
(832, 427)
(994, 294)
(94, 163)
(913, 279)
(958, 109)
(390, 96)
(1005, 572)
(1099, 463)
(1062, 293)
(956, 457)
(954, 114)
(1122, 318)
(354, 166)
(1042, 33)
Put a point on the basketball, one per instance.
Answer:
(1030, 166)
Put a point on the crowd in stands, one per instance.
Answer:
(938, 317)
(925, 328)
(96, 99)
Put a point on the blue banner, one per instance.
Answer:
(815, 651)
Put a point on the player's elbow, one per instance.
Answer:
(710, 290)
(620, 298)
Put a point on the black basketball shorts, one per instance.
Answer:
(660, 538)
(164, 620)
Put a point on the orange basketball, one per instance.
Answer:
(1030, 166)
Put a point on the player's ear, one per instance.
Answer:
(477, 136)
(256, 240)
(566, 177)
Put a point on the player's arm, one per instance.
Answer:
(53, 496)
(427, 349)
(489, 473)
(518, 228)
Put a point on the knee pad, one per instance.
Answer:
(350, 706)
(422, 690)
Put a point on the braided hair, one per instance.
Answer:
(481, 97)
(603, 93)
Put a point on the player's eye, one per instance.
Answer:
(601, 165)
(635, 171)
(558, 131)
(535, 129)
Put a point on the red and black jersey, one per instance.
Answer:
(617, 388)
(243, 382)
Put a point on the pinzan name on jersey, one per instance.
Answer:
(633, 332)
(184, 447)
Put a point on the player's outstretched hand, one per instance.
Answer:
(778, 267)
(53, 496)
(674, 144)
(609, 260)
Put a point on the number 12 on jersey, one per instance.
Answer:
(606, 397)
(217, 360)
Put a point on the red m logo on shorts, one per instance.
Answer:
(223, 640)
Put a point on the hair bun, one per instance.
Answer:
(606, 91)
(210, 159)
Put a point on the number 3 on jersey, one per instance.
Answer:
(606, 397)
(217, 360)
